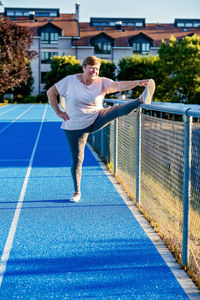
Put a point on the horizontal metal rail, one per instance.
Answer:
(177, 109)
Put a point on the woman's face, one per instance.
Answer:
(91, 72)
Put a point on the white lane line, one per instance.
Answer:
(13, 108)
(13, 121)
(11, 235)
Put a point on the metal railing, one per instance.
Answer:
(155, 154)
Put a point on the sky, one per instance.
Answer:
(154, 11)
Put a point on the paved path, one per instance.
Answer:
(53, 249)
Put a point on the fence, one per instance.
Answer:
(155, 154)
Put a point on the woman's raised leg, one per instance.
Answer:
(106, 115)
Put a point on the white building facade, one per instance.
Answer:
(107, 38)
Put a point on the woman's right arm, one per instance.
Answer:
(52, 94)
(119, 86)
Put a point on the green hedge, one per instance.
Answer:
(42, 98)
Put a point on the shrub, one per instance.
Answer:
(29, 99)
(41, 98)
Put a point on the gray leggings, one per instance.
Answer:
(77, 138)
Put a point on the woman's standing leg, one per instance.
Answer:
(77, 140)
(106, 115)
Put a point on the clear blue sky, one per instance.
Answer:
(154, 11)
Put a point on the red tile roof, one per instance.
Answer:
(66, 22)
(157, 32)
(72, 28)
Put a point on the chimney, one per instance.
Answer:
(31, 15)
(77, 11)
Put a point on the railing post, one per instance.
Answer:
(186, 186)
(101, 143)
(138, 156)
(115, 146)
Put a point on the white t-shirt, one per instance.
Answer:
(82, 102)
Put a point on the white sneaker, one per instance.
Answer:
(147, 95)
(75, 197)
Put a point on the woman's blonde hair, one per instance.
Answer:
(91, 61)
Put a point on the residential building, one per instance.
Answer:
(55, 33)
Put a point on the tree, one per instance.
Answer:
(138, 67)
(15, 42)
(61, 66)
(24, 89)
(180, 70)
(107, 69)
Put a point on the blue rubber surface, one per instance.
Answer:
(61, 250)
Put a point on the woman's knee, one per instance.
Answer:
(78, 160)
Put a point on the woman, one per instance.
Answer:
(84, 112)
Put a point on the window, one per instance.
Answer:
(49, 37)
(53, 37)
(45, 37)
(46, 57)
(143, 48)
(188, 25)
(100, 24)
(10, 13)
(102, 48)
(42, 14)
(18, 13)
(180, 24)
(136, 47)
(53, 14)
(139, 24)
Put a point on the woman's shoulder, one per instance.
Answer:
(69, 78)
(103, 79)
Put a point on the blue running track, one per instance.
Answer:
(53, 249)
